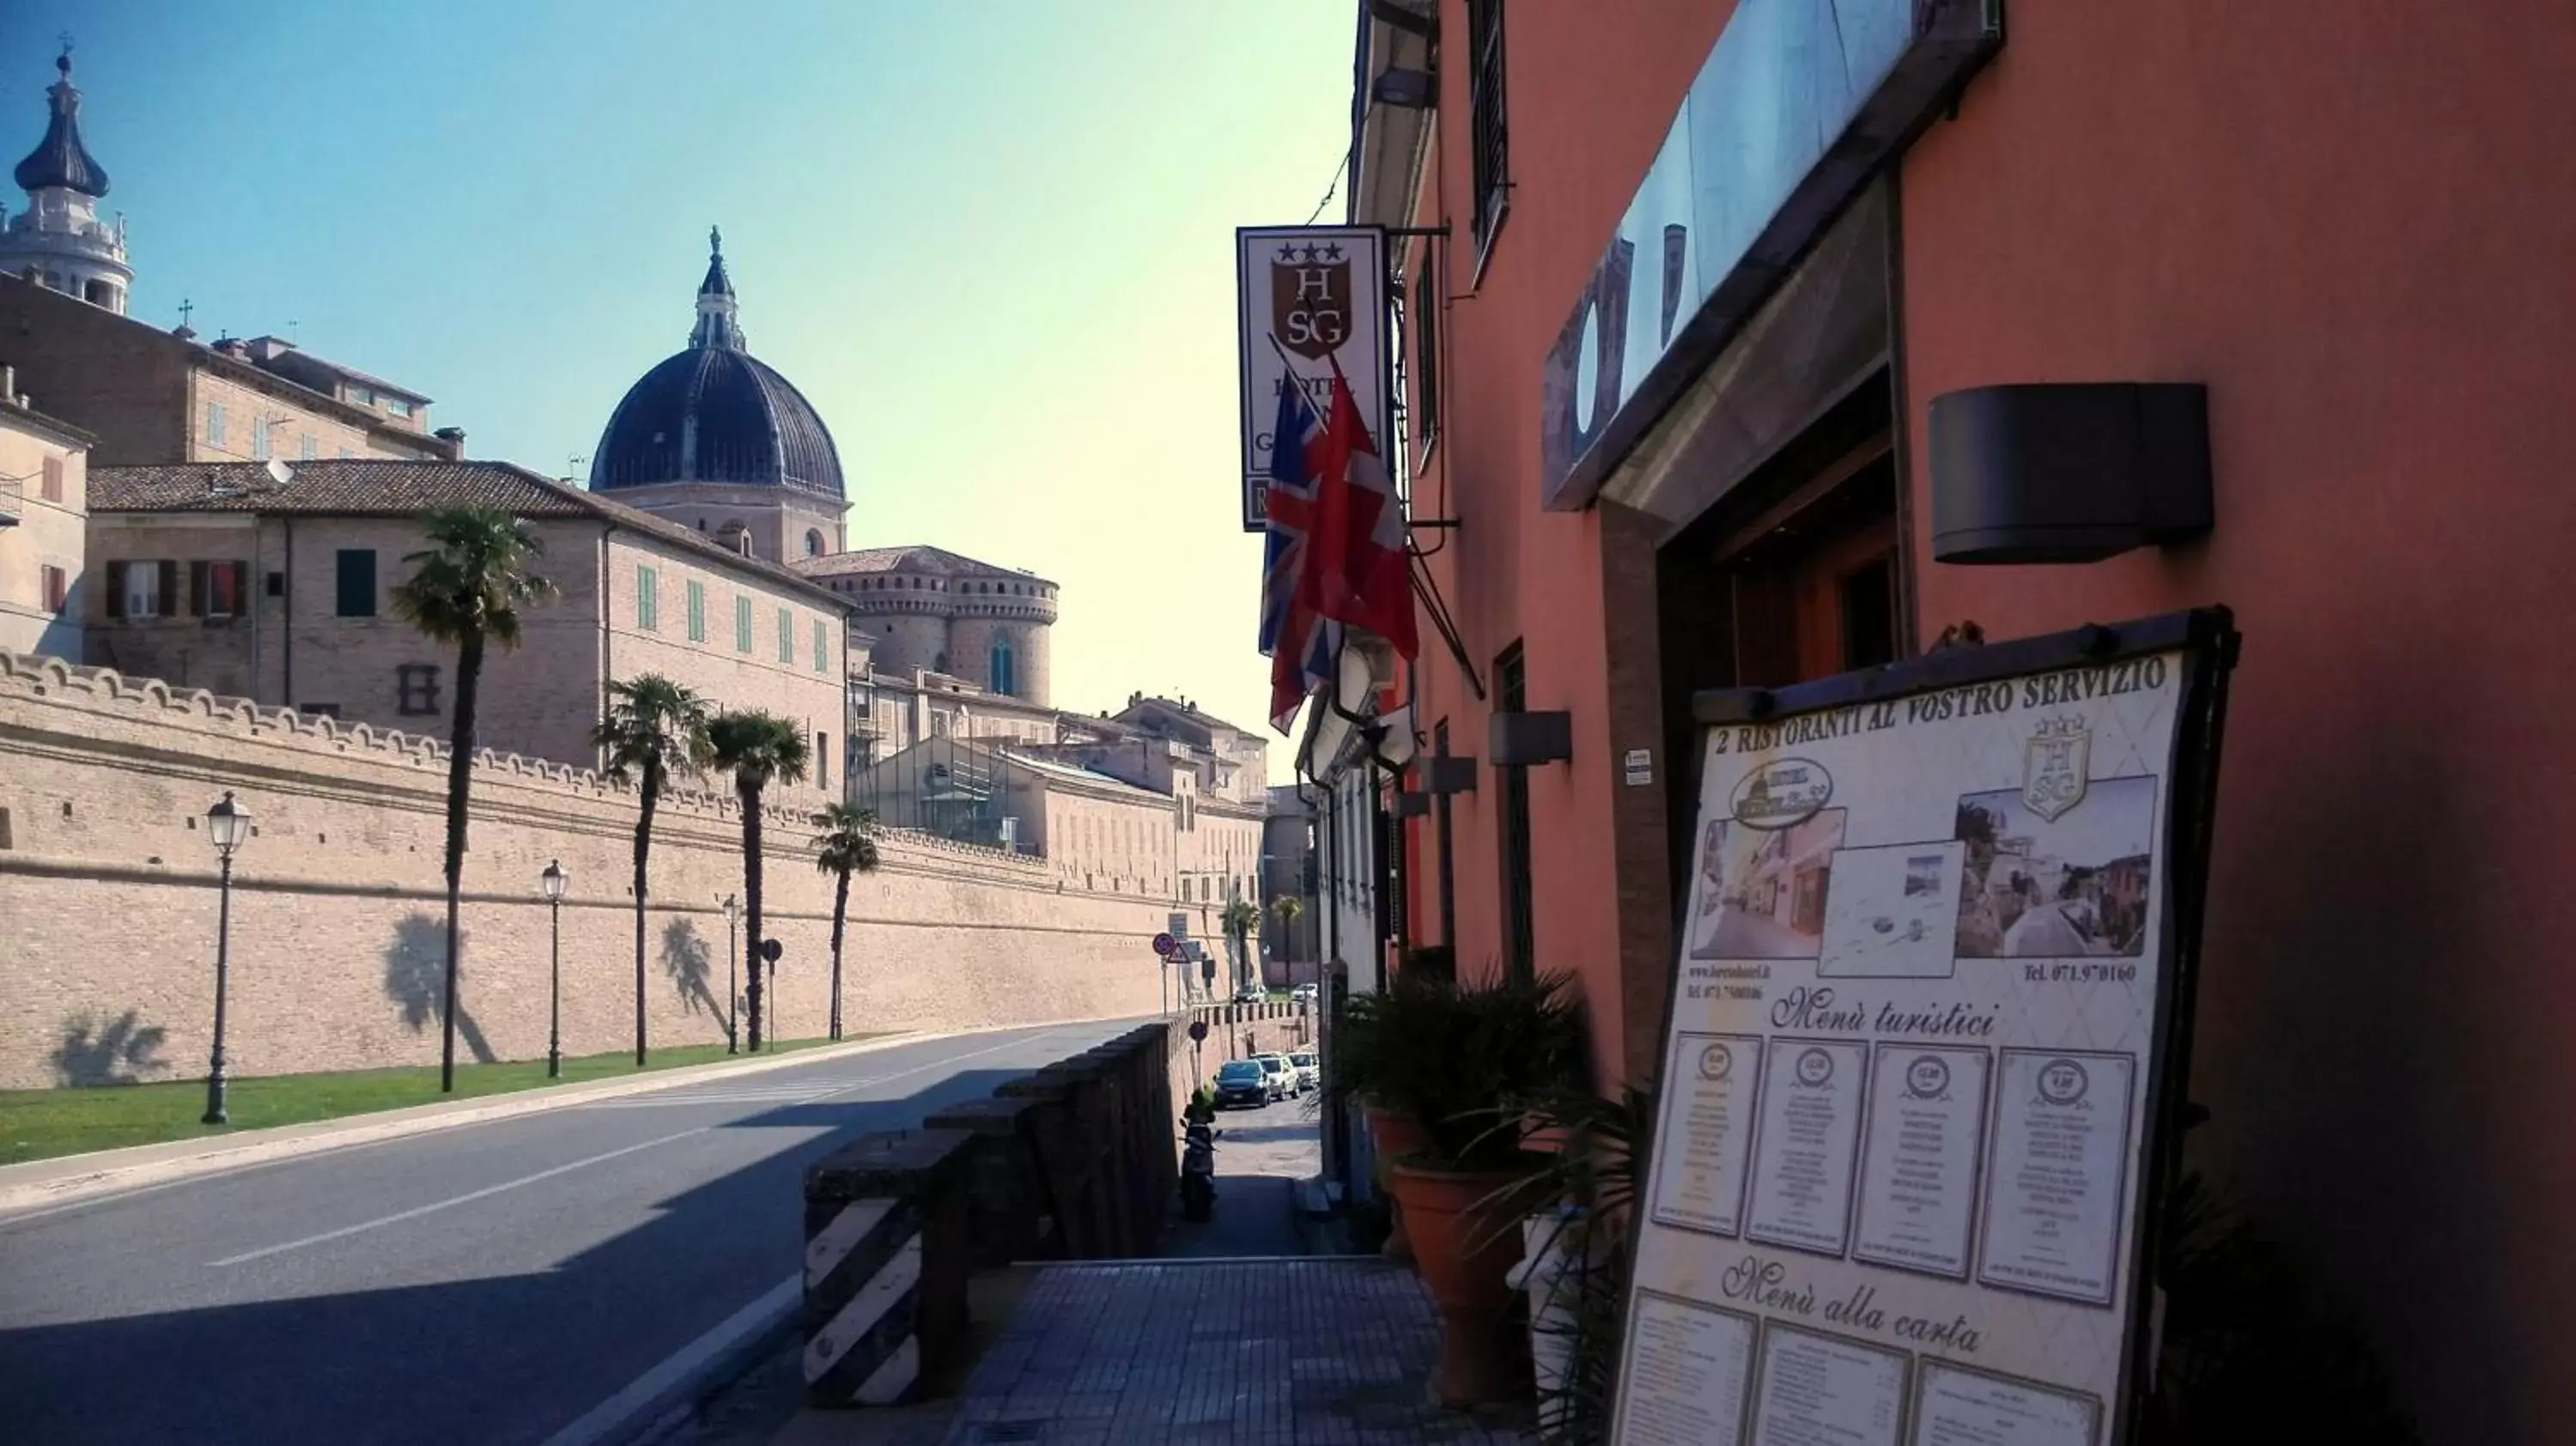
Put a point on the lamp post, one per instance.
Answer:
(227, 823)
(554, 880)
(733, 1000)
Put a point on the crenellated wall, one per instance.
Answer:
(108, 901)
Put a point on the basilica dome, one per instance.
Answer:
(714, 413)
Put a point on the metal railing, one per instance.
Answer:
(13, 500)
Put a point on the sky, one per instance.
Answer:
(992, 242)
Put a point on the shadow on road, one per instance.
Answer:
(504, 1359)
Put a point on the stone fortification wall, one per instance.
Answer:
(108, 901)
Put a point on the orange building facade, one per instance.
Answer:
(2351, 228)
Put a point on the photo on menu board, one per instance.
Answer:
(2063, 885)
(1762, 891)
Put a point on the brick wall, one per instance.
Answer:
(107, 887)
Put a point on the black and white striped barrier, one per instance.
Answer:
(885, 1266)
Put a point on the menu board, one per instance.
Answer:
(1926, 993)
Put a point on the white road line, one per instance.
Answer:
(668, 1382)
(437, 1205)
(490, 1190)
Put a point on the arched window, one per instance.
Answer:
(1001, 676)
(735, 538)
(813, 543)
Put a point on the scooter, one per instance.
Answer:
(1198, 1168)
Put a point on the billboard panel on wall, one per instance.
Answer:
(1308, 299)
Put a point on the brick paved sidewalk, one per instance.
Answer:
(1314, 1352)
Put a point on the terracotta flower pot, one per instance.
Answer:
(1465, 1243)
(1393, 1135)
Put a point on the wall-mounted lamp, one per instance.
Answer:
(1523, 740)
(2068, 472)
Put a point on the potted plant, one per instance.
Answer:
(1457, 1062)
(1366, 1050)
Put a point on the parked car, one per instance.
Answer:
(1249, 994)
(1244, 1082)
(1303, 995)
(1283, 1075)
(1310, 1070)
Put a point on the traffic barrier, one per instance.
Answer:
(885, 1265)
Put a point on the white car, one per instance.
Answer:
(1310, 1071)
(1303, 994)
(1282, 1075)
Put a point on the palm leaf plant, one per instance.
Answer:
(847, 845)
(757, 749)
(467, 589)
(1239, 919)
(655, 731)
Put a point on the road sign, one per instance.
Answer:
(770, 950)
(1198, 1030)
(1165, 944)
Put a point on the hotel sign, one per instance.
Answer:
(1921, 1081)
(1309, 299)
(1797, 106)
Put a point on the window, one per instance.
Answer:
(142, 589)
(822, 654)
(396, 406)
(742, 625)
(259, 439)
(1003, 679)
(786, 636)
(277, 584)
(1511, 695)
(304, 448)
(57, 584)
(813, 543)
(357, 583)
(822, 760)
(648, 599)
(217, 589)
(52, 488)
(1487, 135)
(215, 424)
(697, 611)
(362, 396)
(1448, 860)
(418, 685)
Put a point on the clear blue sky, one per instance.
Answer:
(991, 241)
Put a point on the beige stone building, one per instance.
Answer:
(275, 585)
(930, 610)
(44, 509)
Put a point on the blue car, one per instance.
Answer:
(1243, 1082)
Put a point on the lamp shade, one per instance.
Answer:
(228, 823)
(554, 879)
(732, 908)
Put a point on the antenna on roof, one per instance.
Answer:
(278, 473)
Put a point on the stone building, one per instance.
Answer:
(273, 582)
(44, 507)
(58, 242)
(931, 610)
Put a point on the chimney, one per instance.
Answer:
(453, 436)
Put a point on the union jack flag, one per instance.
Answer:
(1301, 644)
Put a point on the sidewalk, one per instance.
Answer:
(1237, 1336)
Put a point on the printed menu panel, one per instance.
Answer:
(1824, 1390)
(1908, 1082)
(1686, 1370)
(1802, 1160)
(1702, 1145)
(1919, 1157)
(2061, 1154)
(1955, 1406)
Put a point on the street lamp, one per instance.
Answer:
(227, 823)
(553, 880)
(733, 1000)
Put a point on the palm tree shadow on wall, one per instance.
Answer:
(415, 975)
(101, 1051)
(689, 961)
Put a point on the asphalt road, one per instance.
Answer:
(488, 1283)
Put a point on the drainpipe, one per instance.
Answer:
(286, 623)
(607, 673)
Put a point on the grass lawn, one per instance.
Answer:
(40, 1124)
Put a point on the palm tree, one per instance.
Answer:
(655, 731)
(1238, 920)
(1290, 909)
(847, 844)
(467, 590)
(757, 747)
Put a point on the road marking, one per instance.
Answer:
(507, 1185)
(671, 1381)
(437, 1205)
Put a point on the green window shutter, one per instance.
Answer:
(697, 611)
(357, 590)
(647, 606)
(819, 653)
(742, 625)
(786, 636)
